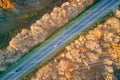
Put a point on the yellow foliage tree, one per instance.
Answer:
(6, 4)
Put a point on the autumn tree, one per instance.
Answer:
(6, 4)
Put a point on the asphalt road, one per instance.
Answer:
(94, 15)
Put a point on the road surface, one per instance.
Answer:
(94, 15)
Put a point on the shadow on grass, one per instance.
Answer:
(117, 74)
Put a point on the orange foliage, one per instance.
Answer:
(6, 4)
